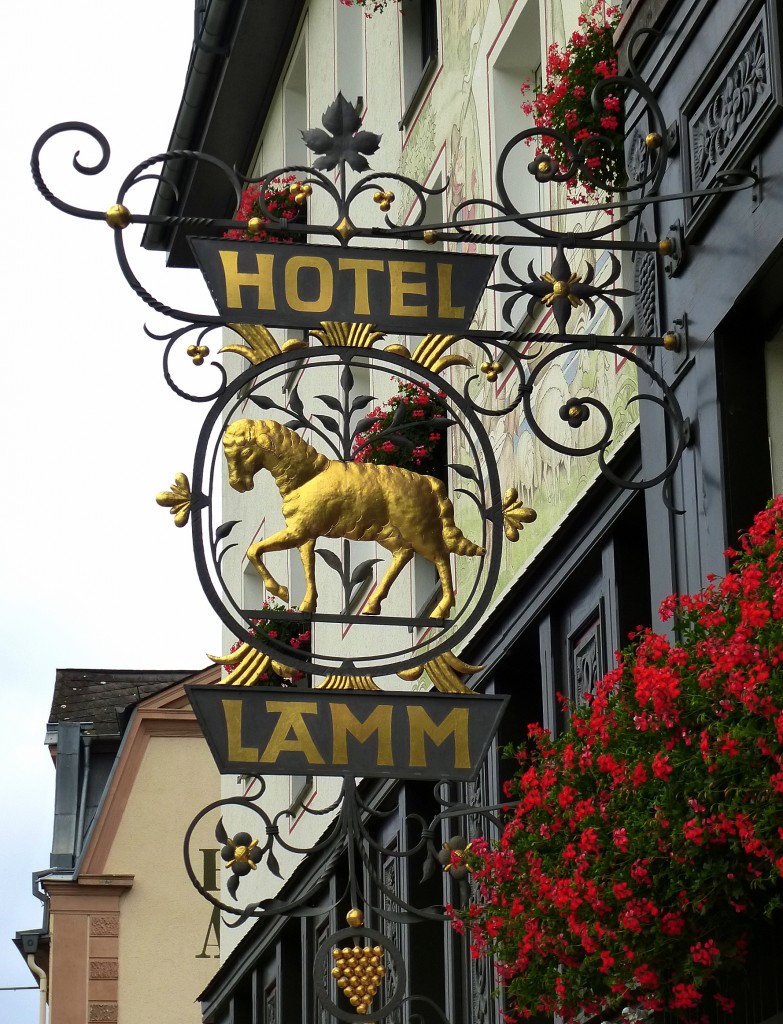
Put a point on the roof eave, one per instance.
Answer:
(228, 92)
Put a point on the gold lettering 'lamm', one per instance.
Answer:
(291, 721)
(232, 710)
(378, 721)
(455, 724)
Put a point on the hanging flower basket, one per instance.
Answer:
(295, 634)
(647, 846)
(566, 104)
(370, 7)
(408, 430)
(285, 198)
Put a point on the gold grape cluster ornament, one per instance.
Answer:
(358, 959)
(358, 969)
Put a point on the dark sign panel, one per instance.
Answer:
(378, 734)
(401, 291)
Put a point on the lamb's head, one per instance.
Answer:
(246, 445)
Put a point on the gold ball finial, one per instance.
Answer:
(430, 236)
(255, 225)
(665, 246)
(653, 140)
(544, 166)
(118, 216)
(561, 288)
(355, 918)
(671, 342)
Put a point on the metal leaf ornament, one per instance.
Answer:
(342, 141)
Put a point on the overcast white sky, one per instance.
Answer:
(94, 574)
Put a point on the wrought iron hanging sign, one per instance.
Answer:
(269, 428)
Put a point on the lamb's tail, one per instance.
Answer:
(455, 539)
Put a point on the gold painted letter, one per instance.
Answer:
(454, 724)
(262, 280)
(445, 308)
(232, 710)
(400, 287)
(361, 269)
(291, 720)
(344, 722)
(325, 284)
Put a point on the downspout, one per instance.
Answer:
(206, 56)
(43, 986)
(83, 798)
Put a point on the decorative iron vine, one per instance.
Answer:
(437, 847)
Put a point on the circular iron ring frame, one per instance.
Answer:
(341, 356)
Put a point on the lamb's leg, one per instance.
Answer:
(307, 554)
(400, 558)
(280, 541)
(446, 602)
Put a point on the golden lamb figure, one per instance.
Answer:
(402, 511)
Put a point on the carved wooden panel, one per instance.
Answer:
(321, 934)
(391, 879)
(725, 117)
(646, 288)
(270, 1003)
(586, 656)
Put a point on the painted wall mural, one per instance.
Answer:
(467, 125)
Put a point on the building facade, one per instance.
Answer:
(440, 81)
(125, 937)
